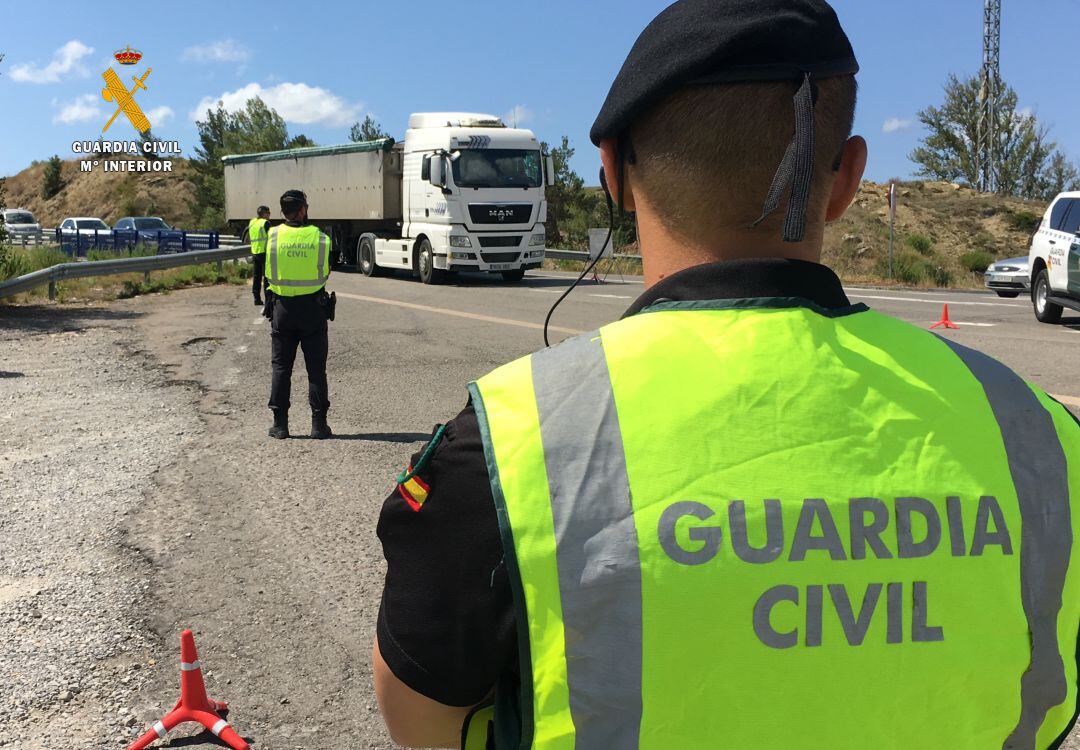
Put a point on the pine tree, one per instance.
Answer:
(51, 182)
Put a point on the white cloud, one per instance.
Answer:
(66, 60)
(84, 109)
(295, 102)
(895, 125)
(520, 114)
(225, 50)
(1026, 112)
(159, 115)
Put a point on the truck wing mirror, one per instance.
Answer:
(549, 170)
(438, 171)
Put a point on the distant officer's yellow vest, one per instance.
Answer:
(257, 236)
(297, 261)
(760, 524)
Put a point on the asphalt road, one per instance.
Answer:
(267, 548)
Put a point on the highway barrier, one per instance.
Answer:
(145, 264)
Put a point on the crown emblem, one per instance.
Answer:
(128, 56)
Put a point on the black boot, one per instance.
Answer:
(280, 430)
(320, 430)
(258, 302)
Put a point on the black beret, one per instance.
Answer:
(293, 198)
(724, 41)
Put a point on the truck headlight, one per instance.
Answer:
(460, 241)
(537, 239)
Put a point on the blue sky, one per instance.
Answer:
(325, 64)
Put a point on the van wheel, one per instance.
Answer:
(365, 252)
(1045, 310)
(513, 276)
(425, 264)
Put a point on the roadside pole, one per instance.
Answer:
(892, 224)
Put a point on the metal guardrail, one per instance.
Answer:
(581, 255)
(84, 269)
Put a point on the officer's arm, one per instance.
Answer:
(412, 719)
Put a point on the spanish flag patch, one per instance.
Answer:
(414, 489)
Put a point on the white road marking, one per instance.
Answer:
(976, 325)
(258, 321)
(547, 291)
(938, 301)
(611, 296)
(458, 313)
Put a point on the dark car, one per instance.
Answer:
(147, 227)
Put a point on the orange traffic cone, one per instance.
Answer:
(945, 322)
(193, 704)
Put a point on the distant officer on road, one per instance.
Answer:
(297, 267)
(749, 514)
(258, 231)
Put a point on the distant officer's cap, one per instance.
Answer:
(293, 199)
(696, 42)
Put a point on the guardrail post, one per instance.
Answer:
(52, 291)
(220, 267)
(146, 277)
(183, 242)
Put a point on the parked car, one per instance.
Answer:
(147, 226)
(1055, 260)
(83, 225)
(18, 223)
(1009, 277)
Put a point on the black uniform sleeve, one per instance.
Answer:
(446, 625)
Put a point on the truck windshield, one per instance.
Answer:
(18, 217)
(496, 168)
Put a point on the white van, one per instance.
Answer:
(1055, 260)
(20, 223)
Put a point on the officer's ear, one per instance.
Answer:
(848, 178)
(610, 158)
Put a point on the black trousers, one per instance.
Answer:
(299, 321)
(258, 274)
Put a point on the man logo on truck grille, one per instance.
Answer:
(501, 214)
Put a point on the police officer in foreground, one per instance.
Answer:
(258, 231)
(297, 267)
(750, 513)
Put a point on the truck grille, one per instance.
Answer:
(500, 241)
(499, 257)
(500, 213)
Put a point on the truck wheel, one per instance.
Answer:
(425, 264)
(1045, 310)
(365, 252)
(514, 277)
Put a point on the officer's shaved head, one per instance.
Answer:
(706, 155)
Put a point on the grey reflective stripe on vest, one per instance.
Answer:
(324, 242)
(272, 250)
(1040, 474)
(596, 544)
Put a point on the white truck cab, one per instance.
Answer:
(462, 192)
(1055, 259)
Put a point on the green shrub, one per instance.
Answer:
(920, 243)
(976, 261)
(913, 270)
(1023, 221)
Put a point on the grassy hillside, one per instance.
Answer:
(944, 234)
(106, 196)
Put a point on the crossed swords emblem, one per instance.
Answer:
(117, 92)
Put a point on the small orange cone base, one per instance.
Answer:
(945, 322)
(193, 704)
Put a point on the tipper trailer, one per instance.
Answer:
(462, 192)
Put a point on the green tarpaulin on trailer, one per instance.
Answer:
(384, 144)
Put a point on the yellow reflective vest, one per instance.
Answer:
(257, 235)
(297, 260)
(763, 524)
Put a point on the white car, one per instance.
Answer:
(20, 223)
(84, 225)
(1009, 277)
(1055, 260)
